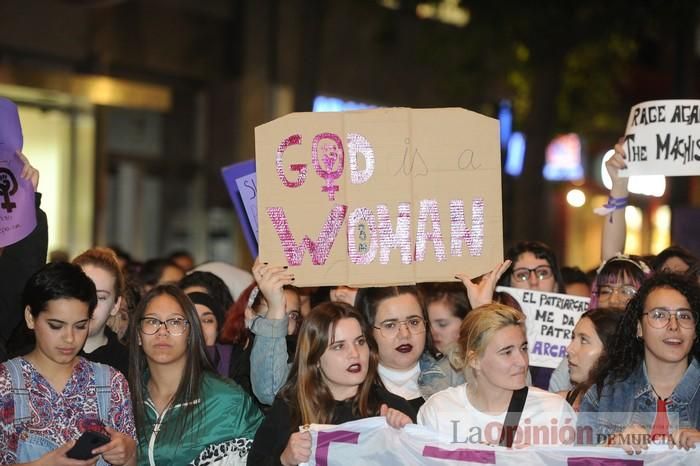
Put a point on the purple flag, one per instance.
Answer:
(17, 209)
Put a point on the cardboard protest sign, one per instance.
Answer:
(372, 441)
(550, 319)
(17, 207)
(663, 138)
(241, 183)
(380, 197)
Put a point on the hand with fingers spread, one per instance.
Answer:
(298, 449)
(271, 280)
(121, 449)
(482, 293)
(394, 417)
(29, 172)
(684, 438)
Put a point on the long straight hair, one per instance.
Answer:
(197, 362)
(309, 398)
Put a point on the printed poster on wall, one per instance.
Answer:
(380, 197)
(663, 138)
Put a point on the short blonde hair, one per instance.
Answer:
(476, 331)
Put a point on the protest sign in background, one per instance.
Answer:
(663, 138)
(242, 189)
(17, 207)
(372, 442)
(380, 197)
(551, 317)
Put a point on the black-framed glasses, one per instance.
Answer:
(607, 291)
(175, 326)
(390, 328)
(542, 272)
(660, 317)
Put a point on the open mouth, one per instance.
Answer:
(673, 341)
(354, 368)
(404, 348)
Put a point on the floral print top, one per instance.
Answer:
(61, 417)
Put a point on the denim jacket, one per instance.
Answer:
(268, 358)
(633, 401)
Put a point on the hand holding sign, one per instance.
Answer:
(298, 449)
(18, 180)
(482, 292)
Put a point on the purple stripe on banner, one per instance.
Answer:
(593, 461)
(461, 454)
(324, 439)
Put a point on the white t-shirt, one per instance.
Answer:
(547, 419)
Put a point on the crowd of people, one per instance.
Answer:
(174, 364)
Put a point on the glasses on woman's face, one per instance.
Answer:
(660, 317)
(175, 326)
(390, 328)
(607, 291)
(542, 272)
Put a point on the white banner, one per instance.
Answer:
(663, 138)
(372, 442)
(551, 317)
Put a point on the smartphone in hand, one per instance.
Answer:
(82, 450)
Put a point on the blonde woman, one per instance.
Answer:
(492, 353)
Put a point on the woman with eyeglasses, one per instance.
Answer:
(399, 323)
(333, 380)
(649, 390)
(534, 267)
(185, 413)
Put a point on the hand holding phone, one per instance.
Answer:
(82, 450)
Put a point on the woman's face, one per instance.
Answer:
(210, 327)
(163, 347)
(399, 347)
(531, 273)
(293, 310)
(444, 325)
(584, 350)
(107, 301)
(345, 363)
(60, 330)
(503, 366)
(617, 292)
(670, 343)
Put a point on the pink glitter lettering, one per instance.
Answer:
(320, 249)
(429, 209)
(358, 144)
(388, 239)
(460, 234)
(330, 148)
(362, 253)
(293, 140)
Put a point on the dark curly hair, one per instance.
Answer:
(628, 350)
